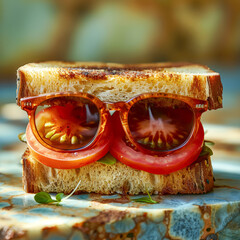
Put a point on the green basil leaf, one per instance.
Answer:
(43, 197)
(145, 199)
(206, 151)
(209, 150)
(151, 198)
(59, 197)
(108, 159)
(22, 137)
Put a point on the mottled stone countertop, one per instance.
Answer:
(215, 215)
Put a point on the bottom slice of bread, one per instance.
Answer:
(118, 178)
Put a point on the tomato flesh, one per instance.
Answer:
(172, 162)
(69, 160)
(67, 127)
(160, 124)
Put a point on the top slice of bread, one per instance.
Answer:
(120, 82)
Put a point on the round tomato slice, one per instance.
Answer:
(69, 160)
(69, 126)
(155, 164)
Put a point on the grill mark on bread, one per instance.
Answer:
(94, 74)
(129, 67)
(100, 72)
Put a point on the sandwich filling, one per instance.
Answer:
(154, 133)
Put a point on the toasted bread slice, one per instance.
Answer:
(118, 178)
(120, 82)
(112, 83)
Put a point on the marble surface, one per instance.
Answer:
(215, 215)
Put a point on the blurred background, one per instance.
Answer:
(118, 31)
(126, 31)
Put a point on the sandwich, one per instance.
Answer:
(119, 128)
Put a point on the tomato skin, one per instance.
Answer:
(69, 160)
(155, 164)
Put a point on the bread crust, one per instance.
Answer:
(118, 178)
(120, 82)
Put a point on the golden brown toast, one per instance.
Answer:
(120, 82)
(118, 178)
